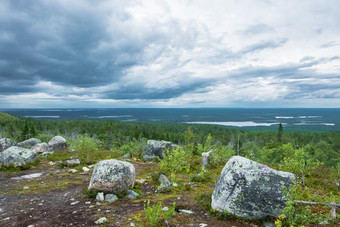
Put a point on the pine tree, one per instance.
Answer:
(33, 131)
(279, 133)
(25, 131)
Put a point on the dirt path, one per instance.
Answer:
(55, 198)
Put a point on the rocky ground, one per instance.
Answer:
(48, 195)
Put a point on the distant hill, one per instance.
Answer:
(5, 118)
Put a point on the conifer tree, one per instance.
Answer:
(33, 131)
(279, 133)
(25, 131)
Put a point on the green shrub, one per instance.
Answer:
(87, 148)
(204, 199)
(297, 215)
(176, 161)
(203, 177)
(154, 215)
(89, 193)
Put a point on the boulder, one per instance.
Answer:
(57, 143)
(250, 190)
(40, 147)
(6, 143)
(155, 148)
(165, 184)
(17, 156)
(112, 176)
(29, 143)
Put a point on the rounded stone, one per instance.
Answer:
(112, 176)
(250, 190)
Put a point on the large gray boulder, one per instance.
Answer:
(250, 190)
(29, 143)
(57, 143)
(17, 156)
(112, 176)
(40, 147)
(155, 148)
(6, 143)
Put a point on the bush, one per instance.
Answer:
(297, 215)
(89, 193)
(154, 215)
(176, 161)
(87, 148)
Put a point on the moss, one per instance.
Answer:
(45, 185)
(12, 168)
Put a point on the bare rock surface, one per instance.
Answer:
(40, 147)
(58, 143)
(250, 190)
(112, 176)
(17, 156)
(29, 143)
(155, 148)
(6, 143)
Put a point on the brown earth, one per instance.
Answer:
(47, 201)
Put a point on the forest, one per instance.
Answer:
(313, 156)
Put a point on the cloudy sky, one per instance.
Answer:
(200, 53)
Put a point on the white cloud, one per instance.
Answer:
(171, 53)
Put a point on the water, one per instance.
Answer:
(292, 119)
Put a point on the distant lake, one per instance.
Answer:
(245, 118)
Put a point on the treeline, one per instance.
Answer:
(324, 146)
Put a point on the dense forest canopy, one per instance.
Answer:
(322, 146)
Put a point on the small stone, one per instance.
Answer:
(182, 211)
(30, 226)
(100, 196)
(72, 170)
(268, 224)
(108, 211)
(111, 198)
(74, 212)
(132, 224)
(35, 199)
(132, 194)
(99, 210)
(178, 198)
(101, 221)
(88, 202)
(1, 210)
(26, 187)
(85, 169)
(91, 166)
(74, 203)
(5, 219)
(203, 225)
(98, 203)
(91, 206)
(165, 209)
(40, 204)
(51, 163)
(174, 184)
(141, 181)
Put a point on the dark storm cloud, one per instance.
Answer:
(138, 91)
(51, 43)
(182, 52)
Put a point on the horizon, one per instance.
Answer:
(169, 54)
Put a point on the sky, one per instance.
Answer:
(169, 53)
